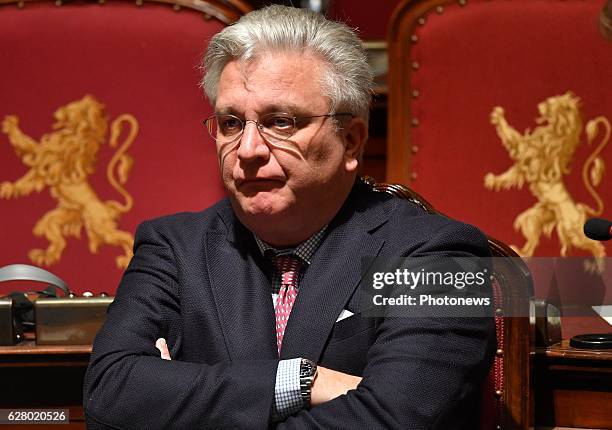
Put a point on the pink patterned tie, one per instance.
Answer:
(288, 266)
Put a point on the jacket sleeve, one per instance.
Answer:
(421, 373)
(128, 385)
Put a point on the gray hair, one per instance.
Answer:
(348, 79)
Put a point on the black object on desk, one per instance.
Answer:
(592, 341)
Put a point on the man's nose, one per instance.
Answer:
(252, 145)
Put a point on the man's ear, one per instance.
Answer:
(355, 134)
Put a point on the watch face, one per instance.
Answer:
(307, 368)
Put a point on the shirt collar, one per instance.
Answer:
(304, 250)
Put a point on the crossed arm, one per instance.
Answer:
(328, 384)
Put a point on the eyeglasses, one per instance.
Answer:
(274, 127)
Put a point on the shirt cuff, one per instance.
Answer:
(287, 395)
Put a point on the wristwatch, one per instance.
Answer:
(308, 373)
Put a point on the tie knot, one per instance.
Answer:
(288, 266)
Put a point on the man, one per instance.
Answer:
(257, 296)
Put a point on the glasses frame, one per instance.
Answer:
(260, 126)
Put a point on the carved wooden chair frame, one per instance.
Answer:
(226, 11)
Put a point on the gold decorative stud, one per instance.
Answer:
(413, 176)
(415, 94)
(462, 2)
(415, 65)
(415, 122)
(498, 393)
(414, 149)
(439, 10)
(499, 352)
(176, 7)
(421, 21)
(499, 312)
(101, 1)
(21, 4)
(414, 38)
(139, 3)
(58, 3)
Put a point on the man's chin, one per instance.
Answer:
(260, 205)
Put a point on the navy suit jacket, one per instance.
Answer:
(199, 280)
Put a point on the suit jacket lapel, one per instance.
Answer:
(241, 291)
(331, 280)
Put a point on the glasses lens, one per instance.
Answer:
(224, 128)
(274, 127)
(277, 126)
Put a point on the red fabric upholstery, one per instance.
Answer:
(141, 61)
(369, 18)
(451, 63)
(489, 53)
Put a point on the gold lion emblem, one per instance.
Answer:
(63, 161)
(541, 158)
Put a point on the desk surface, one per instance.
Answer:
(29, 347)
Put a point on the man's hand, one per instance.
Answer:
(330, 384)
(163, 348)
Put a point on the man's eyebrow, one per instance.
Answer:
(226, 111)
(290, 108)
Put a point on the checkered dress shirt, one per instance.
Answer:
(287, 396)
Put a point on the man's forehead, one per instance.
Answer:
(276, 69)
(279, 82)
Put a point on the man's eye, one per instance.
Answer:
(279, 123)
(230, 125)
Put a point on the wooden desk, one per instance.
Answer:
(573, 387)
(34, 376)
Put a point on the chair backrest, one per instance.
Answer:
(507, 402)
(499, 112)
(101, 128)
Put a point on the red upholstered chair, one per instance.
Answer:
(506, 393)
(453, 65)
(499, 113)
(101, 128)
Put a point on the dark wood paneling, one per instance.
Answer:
(44, 377)
(573, 387)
